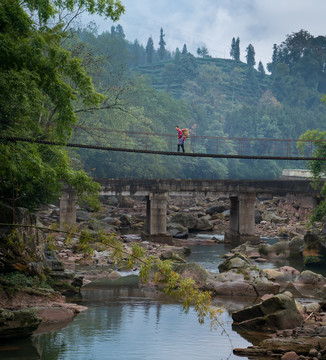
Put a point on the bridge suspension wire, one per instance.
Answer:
(157, 152)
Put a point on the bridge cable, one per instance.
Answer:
(155, 152)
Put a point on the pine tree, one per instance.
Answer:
(261, 69)
(177, 55)
(119, 31)
(184, 49)
(161, 50)
(136, 53)
(232, 50)
(150, 50)
(237, 50)
(250, 56)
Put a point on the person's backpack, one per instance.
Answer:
(185, 132)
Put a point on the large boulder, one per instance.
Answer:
(204, 224)
(187, 220)
(18, 323)
(194, 271)
(236, 261)
(216, 209)
(296, 246)
(177, 230)
(279, 250)
(276, 313)
(240, 283)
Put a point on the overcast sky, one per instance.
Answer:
(213, 23)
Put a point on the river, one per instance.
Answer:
(124, 322)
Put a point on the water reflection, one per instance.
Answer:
(132, 323)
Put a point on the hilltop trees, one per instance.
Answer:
(235, 49)
(250, 56)
(304, 57)
(150, 50)
(161, 50)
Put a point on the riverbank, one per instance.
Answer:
(125, 217)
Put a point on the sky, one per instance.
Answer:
(213, 23)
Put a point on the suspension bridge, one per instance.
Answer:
(196, 146)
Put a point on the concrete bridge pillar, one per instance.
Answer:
(67, 206)
(242, 219)
(156, 209)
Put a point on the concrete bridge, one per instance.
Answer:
(242, 194)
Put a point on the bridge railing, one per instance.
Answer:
(196, 144)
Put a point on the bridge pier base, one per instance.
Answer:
(242, 220)
(67, 207)
(155, 229)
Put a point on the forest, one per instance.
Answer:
(55, 80)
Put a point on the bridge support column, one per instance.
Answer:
(67, 207)
(156, 209)
(242, 219)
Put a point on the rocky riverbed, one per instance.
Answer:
(239, 275)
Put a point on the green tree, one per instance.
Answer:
(232, 50)
(150, 50)
(184, 49)
(41, 88)
(161, 50)
(250, 56)
(203, 52)
(317, 167)
(237, 50)
(261, 69)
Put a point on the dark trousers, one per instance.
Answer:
(182, 147)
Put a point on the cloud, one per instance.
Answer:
(214, 23)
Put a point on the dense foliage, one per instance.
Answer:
(41, 84)
(318, 168)
(212, 97)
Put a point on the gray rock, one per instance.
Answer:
(203, 223)
(194, 271)
(216, 209)
(82, 216)
(276, 313)
(177, 230)
(187, 220)
(236, 261)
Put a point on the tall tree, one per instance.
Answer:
(203, 52)
(237, 50)
(261, 69)
(150, 50)
(232, 50)
(184, 49)
(250, 56)
(119, 31)
(177, 55)
(161, 50)
(42, 88)
(136, 53)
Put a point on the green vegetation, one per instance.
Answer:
(211, 97)
(317, 168)
(41, 85)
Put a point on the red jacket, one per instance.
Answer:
(180, 134)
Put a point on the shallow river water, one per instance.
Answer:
(124, 322)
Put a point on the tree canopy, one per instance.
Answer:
(41, 86)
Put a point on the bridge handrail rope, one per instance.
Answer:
(147, 133)
(156, 152)
(203, 144)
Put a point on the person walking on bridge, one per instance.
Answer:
(181, 139)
